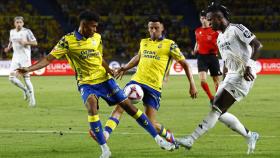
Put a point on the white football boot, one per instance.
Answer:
(186, 142)
(164, 144)
(252, 142)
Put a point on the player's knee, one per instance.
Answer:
(12, 78)
(92, 105)
(26, 77)
(117, 112)
(203, 81)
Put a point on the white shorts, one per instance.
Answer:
(236, 85)
(19, 63)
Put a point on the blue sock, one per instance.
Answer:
(111, 124)
(145, 123)
(96, 127)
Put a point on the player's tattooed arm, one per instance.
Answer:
(40, 64)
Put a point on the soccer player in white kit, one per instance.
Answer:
(238, 48)
(21, 39)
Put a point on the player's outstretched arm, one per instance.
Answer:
(133, 62)
(40, 64)
(107, 68)
(193, 90)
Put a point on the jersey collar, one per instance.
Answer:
(160, 38)
(78, 35)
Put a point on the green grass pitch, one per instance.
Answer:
(57, 127)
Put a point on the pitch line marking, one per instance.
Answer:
(121, 133)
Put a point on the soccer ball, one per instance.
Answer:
(134, 92)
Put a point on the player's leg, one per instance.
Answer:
(32, 101)
(113, 121)
(223, 100)
(202, 76)
(214, 68)
(91, 102)
(162, 131)
(233, 123)
(13, 77)
(216, 81)
(143, 120)
(118, 97)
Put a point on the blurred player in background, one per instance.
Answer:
(239, 49)
(207, 51)
(153, 60)
(21, 39)
(83, 50)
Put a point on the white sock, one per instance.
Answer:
(208, 123)
(29, 84)
(104, 147)
(17, 82)
(232, 122)
(106, 135)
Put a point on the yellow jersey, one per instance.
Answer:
(155, 61)
(84, 55)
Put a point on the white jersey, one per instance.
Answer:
(235, 49)
(21, 52)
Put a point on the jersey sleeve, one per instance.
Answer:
(30, 36)
(100, 47)
(244, 34)
(175, 52)
(60, 49)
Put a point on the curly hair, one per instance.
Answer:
(214, 7)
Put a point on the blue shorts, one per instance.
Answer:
(108, 90)
(151, 96)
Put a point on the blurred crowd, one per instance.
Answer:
(123, 23)
(258, 15)
(45, 28)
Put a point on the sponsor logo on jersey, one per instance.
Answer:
(85, 54)
(150, 54)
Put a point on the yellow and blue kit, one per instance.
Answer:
(155, 60)
(85, 57)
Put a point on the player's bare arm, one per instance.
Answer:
(107, 68)
(256, 46)
(193, 90)
(195, 49)
(25, 43)
(7, 49)
(40, 64)
(133, 62)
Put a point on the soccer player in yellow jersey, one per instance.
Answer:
(83, 50)
(153, 60)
